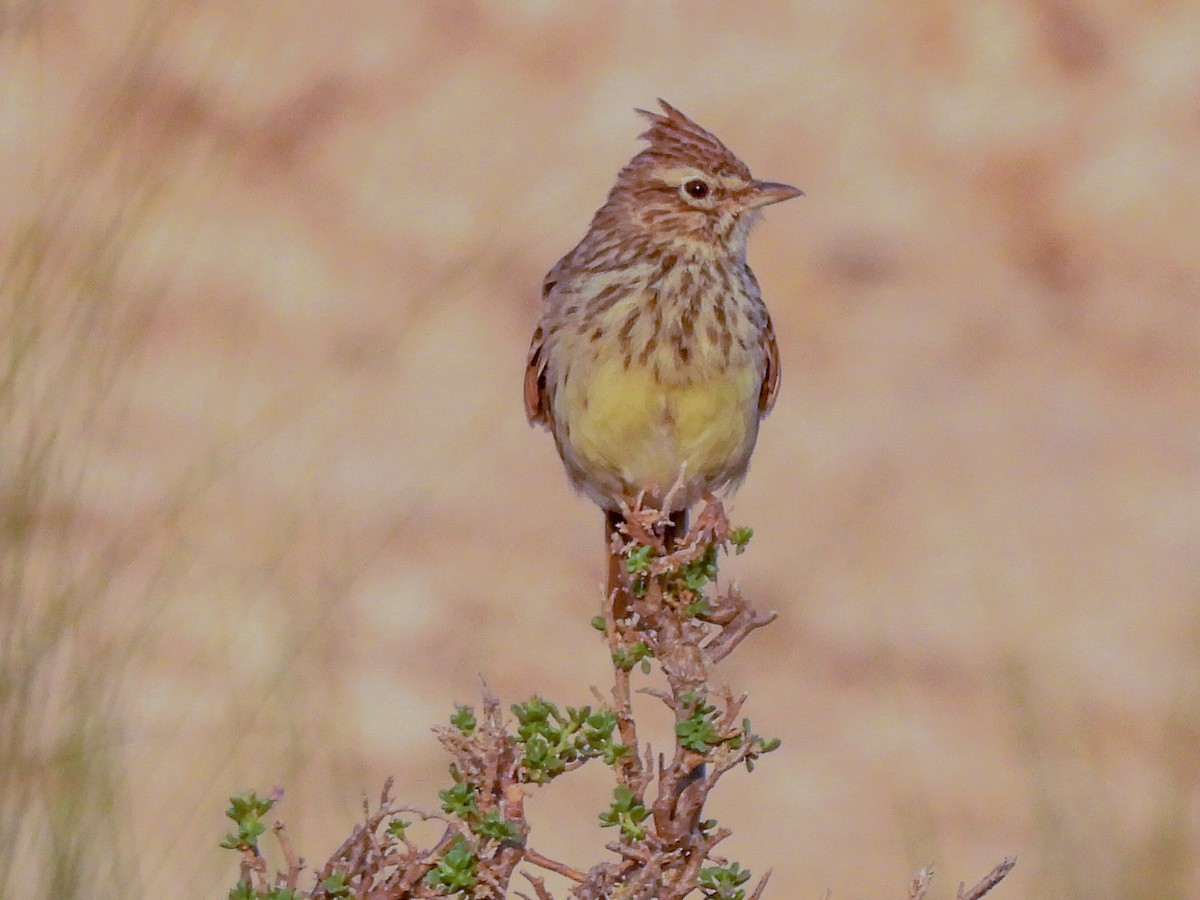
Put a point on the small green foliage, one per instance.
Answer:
(540, 733)
(246, 810)
(698, 731)
(639, 559)
(627, 812)
(638, 565)
(597, 733)
(455, 871)
(542, 764)
(464, 718)
(599, 725)
(495, 827)
(336, 885)
(625, 658)
(758, 745)
(700, 572)
(724, 882)
(552, 739)
(536, 716)
(459, 800)
(243, 890)
(396, 828)
(740, 538)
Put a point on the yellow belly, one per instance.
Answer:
(627, 431)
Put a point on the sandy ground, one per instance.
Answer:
(321, 516)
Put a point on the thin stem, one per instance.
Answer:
(553, 865)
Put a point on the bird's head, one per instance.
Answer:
(687, 187)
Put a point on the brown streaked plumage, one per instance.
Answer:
(655, 358)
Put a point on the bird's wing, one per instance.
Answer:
(770, 372)
(537, 396)
(770, 381)
(538, 403)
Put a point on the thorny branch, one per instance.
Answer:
(663, 850)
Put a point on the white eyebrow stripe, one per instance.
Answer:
(677, 175)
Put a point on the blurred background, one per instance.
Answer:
(269, 505)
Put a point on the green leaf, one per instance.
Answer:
(538, 716)
(396, 828)
(600, 724)
(627, 812)
(614, 752)
(246, 810)
(459, 800)
(248, 805)
(699, 572)
(697, 734)
(455, 871)
(494, 827)
(698, 731)
(625, 658)
(336, 885)
(463, 718)
(724, 882)
(639, 559)
(541, 762)
(740, 538)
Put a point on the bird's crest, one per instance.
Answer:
(677, 139)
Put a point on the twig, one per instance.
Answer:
(735, 631)
(294, 864)
(920, 884)
(553, 865)
(254, 868)
(539, 886)
(631, 766)
(989, 881)
(761, 886)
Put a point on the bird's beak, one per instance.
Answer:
(764, 193)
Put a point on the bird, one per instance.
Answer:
(655, 359)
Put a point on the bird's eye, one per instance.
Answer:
(696, 188)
